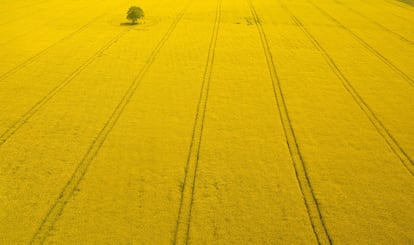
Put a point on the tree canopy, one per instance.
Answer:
(135, 13)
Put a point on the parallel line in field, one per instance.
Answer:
(397, 70)
(376, 23)
(25, 13)
(182, 229)
(379, 126)
(33, 58)
(27, 6)
(403, 18)
(67, 192)
(305, 185)
(40, 104)
(381, 11)
(401, 5)
(391, 13)
(41, 25)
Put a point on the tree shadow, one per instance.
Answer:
(409, 2)
(128, 24)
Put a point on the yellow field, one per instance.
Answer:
(211, 122)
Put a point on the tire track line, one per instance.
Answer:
(400, 4)
(403, 18)
(390, 11)
(41, 9)
(305, 185)
(39, 105)
(379, 126)
(24, 6)
(41, 25)
(33, 58)
(67, 192)
(182, 229)
(375, 22)
(397, 70)
(28, 6)
(42, 102)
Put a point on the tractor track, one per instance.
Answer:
(41, 25)
(393, 13)
(403, 18)
(396, 15)
(393, 67)
(401, 37)
(26, 5)
(401, 5)
(67, 192)
(33, 58)
(182, 229)
(41, 7)
(41, 103)
(40, 53)
(379, 126)
(299, 165)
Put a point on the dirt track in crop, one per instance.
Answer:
(210, 122)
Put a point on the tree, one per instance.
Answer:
(135, 13)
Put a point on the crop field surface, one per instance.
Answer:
(208, 122)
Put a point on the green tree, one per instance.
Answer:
(134, 14)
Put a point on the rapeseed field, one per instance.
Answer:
(207, 122)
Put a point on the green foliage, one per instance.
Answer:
(135, 13)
